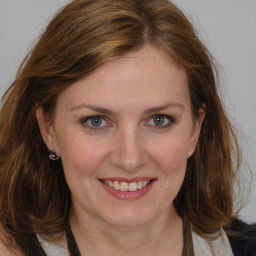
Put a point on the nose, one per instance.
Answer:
(129, 151)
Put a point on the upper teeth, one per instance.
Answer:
(124, 186)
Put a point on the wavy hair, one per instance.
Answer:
(81, 37)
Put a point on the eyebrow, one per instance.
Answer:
(110, 112)
(92, 107)
(164, 107)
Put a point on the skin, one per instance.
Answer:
(129, 143)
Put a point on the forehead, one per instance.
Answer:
(147, 76)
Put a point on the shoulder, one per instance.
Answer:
(56, 247)
(204, 247)
(242, 237)
(4, 250)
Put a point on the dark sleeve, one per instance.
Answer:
(242, 238)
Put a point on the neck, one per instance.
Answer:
(161, 236)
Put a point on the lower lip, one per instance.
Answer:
(129, 195)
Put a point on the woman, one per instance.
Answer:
(114, 140)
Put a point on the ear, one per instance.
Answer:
(47, 131)
(196, 129)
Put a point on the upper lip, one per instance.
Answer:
(128, 180)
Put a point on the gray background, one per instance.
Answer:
(227, 27)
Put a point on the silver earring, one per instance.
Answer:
(53, 155)
(191, 151)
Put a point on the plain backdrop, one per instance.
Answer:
(227, 27)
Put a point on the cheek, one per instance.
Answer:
(81, 156)
(171, 161)
(171, 154)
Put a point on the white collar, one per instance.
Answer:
(221, 245)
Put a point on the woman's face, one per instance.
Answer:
(124, 135)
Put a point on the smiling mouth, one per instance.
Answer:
(126, 186)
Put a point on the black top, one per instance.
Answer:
(242, 238)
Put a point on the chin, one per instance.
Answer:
(128, 218)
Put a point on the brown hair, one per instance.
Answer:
(81, 37)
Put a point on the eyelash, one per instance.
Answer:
(86, 119)
(169, 119)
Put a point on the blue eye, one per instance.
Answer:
(95, 122)
(161, 121)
